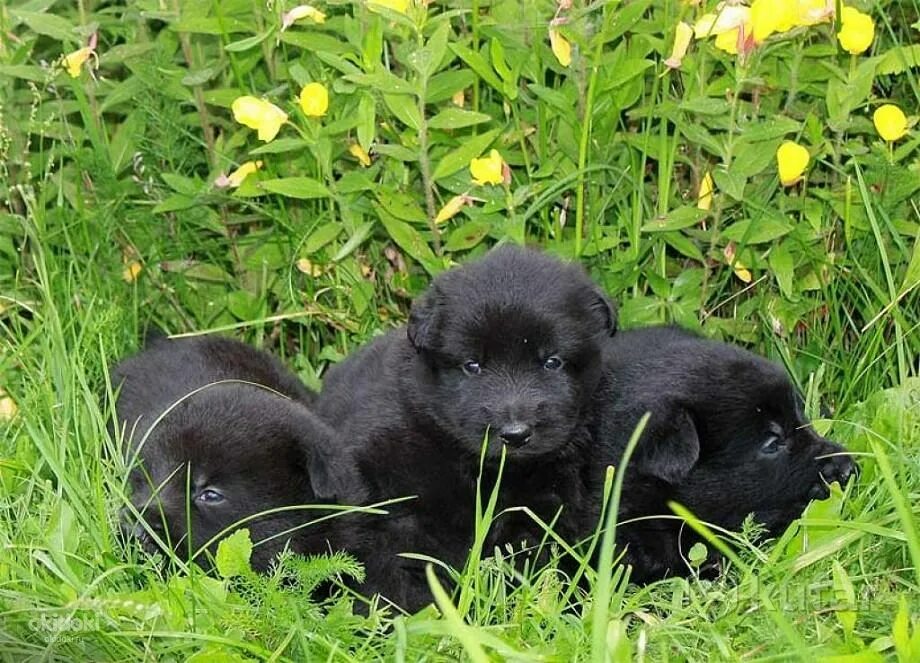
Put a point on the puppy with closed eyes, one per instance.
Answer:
(217, 433)
(727, 437)
(504, 351)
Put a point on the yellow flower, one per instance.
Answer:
(399, 6)
(360, 154)
(857, 30)
(704, 196)
(890, 122)
(452, 208)
(459, 98)
(562, 49)
(307, 267)
(741, 271)
(769, 16)
(488, 170)
(682, 37)
(299, 12)
(131, 271)
(8, 407)
(792, 159)
(728, 41)
(74, 61)
(314, 100)
(259, 114)
(236, 178)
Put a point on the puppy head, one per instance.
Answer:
(510, 345)
(222, 455)
(757, 452)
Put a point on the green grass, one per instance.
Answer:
(606, 156)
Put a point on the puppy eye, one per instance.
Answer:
(472, 368)
(553, 363)
(772, 445)
(210, 496)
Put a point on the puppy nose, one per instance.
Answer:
(515, 434)
(837, 468)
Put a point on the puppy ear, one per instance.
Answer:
(331, 475)
(605, 310)
(669, 447)
(421, 326)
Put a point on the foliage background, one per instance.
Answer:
(111, 221)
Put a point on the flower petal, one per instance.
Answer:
(360, 154)
(451, 209)
(74, 61)
(488, 169)
(562, 49)
(791, 159)
(399, 6)
(890, 122)
(300, 12)
(857, 30)
(260, 115)
(704, 197)
(314, 99)
(682, 36)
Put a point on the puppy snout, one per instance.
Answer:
(837, 468)
(515, 434)
(831, 469)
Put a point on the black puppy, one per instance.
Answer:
(506, 350)
(220, 432)
(727, 437)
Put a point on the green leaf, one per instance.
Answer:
(783, 267)
(250, 42)
(467, 236)
(366, 127)
(912, 275)
(845, 595)
(211, 25)
(401, 205)
(427, 60)
(24, 71)
(461, 156)
(705, 106)
(765, 229)
(443, 86)
(233, 555)
(405, 108)
(50, 25)
(303, 188)
(181, 184)
(478, 64)
(383, 81)
(409, 240)
(281, 145)
(457, 118)
(776, 127)
(899, 59)
(320, 237)
(361, 233)
(682, 217)
(320, 43)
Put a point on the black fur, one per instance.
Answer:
(713, 408)
(256, 446)
(417, 412)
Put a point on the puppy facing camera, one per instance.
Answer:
(505, 349)
(219, 438)
(727, 437)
